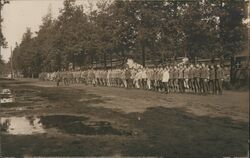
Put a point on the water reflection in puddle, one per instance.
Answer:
(5, 91)
(7, 100)
(62, 123)
(21, 125)
(6, 96)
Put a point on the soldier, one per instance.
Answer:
(191, 78)
(105, 76)
(171, 79)
(70, 77)
(197, 75)
(185, 77)
(176, 79)
(128, 77)
(137, 78)
(153, 79)
(108, 78)
(203, 79)
(207, 78)
(218, 79)
(123, 78)
(165, 79)
(159, 79)
(85, 77)
(58, 78)
(148, 82)
(212, 78)
(111, 78)
(120, 82)
(91, 77)
(78, 76)
(65, 78)
(144, 78)
(180, 79)
(97, 78)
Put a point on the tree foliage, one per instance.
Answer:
(142, 30)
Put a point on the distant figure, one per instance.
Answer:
(219, 79)
(58, 78)
(128, 78)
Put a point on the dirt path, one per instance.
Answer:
(231, 104)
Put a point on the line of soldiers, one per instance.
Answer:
(199, 79)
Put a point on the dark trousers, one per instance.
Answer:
(181, 85)
(204, 86)
(218, 86)
(129, 83)
(144, 83)
(66, 81)
(58, 82)
(197, 85)
(160, 85)
(166, 87)
(212, 86)
(191, 84)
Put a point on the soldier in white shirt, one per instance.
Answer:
(165, 79)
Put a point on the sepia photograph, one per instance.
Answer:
(124, 78)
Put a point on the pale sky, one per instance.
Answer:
(20, 14)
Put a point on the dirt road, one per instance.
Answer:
(92, 121)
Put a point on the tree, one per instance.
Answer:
(3, 42)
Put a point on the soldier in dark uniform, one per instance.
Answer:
(185, 76)
(180, 79)
(218, 79)
(128, 78)
(191, 78)
(58, 78)
(212, 79)
(171, 79)
(204, 78)
(65, 78)
(207, 78)
(175, 79)
(92, 77)
(197, 75)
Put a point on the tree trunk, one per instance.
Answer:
(105, 60)
(123, 54)
(111, 59)
(232, 71)
(143, 55)
(92, 60)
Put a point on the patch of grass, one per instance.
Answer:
(175, 133)
(15, 104)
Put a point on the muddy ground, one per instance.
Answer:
(82, 120)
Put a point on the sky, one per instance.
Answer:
(20, 14)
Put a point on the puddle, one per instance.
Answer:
(21, 125)
(62, 123)
(80, 125)
(5, 91)
(6, 96)
(7, 100)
